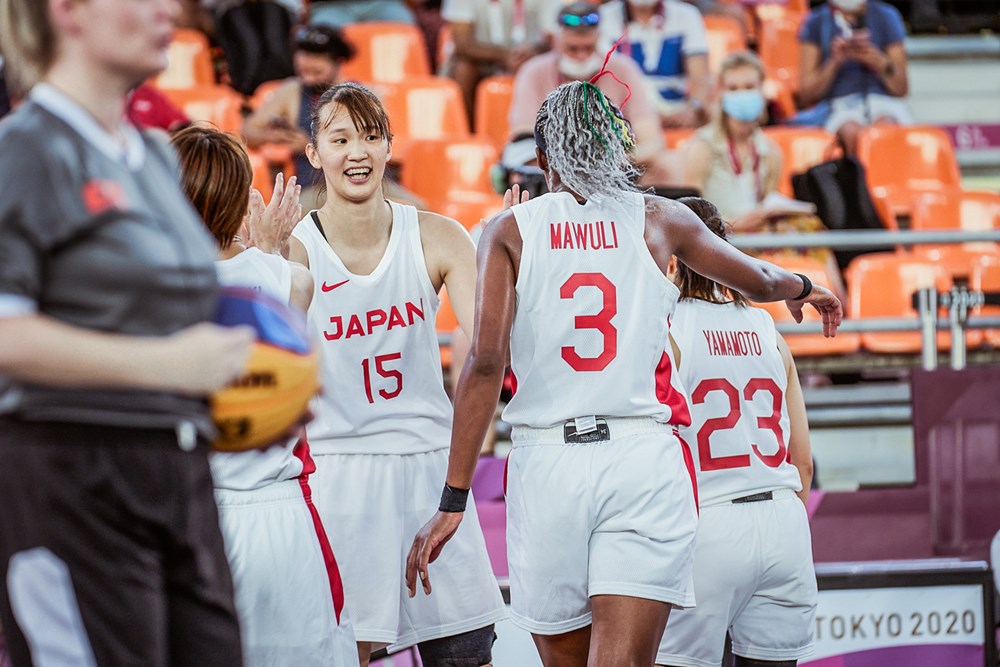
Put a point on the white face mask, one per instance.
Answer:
(849, 5)
(580, 69)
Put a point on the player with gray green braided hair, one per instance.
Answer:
(587, 141)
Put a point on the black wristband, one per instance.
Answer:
(807, 287)
(453, 500)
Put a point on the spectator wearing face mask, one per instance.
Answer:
(284, 118)
(667, 39)
(736, 166)
(576, 57)
(853, 58)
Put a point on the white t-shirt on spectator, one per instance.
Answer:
(660, 46)
(504, 22)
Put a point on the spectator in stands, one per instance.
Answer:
(283, 119)
(853, 58)
(736, 166)
(577, 58)
(345, 12)
(495, 37)
(667, 38)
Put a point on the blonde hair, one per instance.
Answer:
(27, 41)
(587, 141)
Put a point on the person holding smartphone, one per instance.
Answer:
(853, 58)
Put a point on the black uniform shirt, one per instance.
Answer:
(100, 236)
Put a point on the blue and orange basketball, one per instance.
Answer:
(280, 378)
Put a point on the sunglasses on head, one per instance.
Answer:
(311, 37)
(574, 21)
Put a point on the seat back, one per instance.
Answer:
(905, 160)
(676, 138)
(801, 148)
(219, 105)
(472, 208)
(972, 210)
(809, 344)
(386, 53)
(882, 285)
(263, 92)
(189, 61)
(725, 35)
(779, 48)
(435, 169)
(427, 108)
(493, 97)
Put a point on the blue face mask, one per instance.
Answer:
(743, 105)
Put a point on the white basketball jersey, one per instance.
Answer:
(256, 468)
(590, 327)
(736, 381)
(383, 392)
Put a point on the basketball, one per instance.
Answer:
(281, 376)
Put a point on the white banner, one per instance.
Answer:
(848, 621)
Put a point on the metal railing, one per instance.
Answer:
(959, 301)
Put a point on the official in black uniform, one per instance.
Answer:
(110, 550)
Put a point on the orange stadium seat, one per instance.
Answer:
(386, 53)
(779, 48)
(883, 206)
(677, 138)
(809, 344)
(263, 92)
(962, 210)
(219, 105)
(189, 61)
(725, 35)
(905, 160)
(882, 285)
(801, 148)
(971, 210)
(770, 11)
(263, 181)
(493, 97)
(446, 323)
(437, 169)
(427, 108)
(986, 277)
(779, 94)
(472, 208)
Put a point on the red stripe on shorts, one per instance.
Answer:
(689, 463)
(333, 572)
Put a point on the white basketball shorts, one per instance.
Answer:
(753, 576)
(287, 587)
(373, 506)
(614, 517)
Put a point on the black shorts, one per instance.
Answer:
(110, 550)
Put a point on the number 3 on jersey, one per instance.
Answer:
(601, 321)
(771, 423)
(394, 376)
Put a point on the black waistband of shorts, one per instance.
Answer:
(14, 431)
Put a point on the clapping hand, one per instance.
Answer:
(268, 227)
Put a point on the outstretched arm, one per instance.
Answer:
(478, 388)
(673, 228)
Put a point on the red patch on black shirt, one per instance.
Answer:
(100, 196)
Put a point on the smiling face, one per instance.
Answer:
(352, 157)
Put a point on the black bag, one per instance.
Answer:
(840, 192)
(256, 38)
